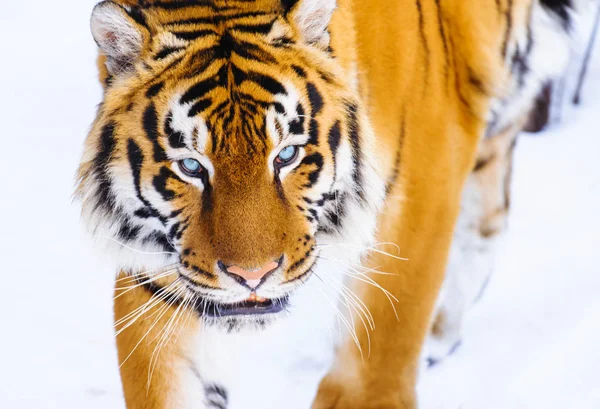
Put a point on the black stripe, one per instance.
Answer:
(219, 18)
(253, 52)
(207, 200)
(335, 217)
(128, 231)
(138, 16)
(216, 397)
(192, 35)
(561, 9)
(334, 138)
(299, 71)
(176, 138)
(269, 84)
(458, 86)
(313, 132)
(154, 90)
(476, 82)
(199, 107)
(160, 183)
(426, 51)
(160, 239)
(173, 233)
(198, 91)
(508, 30)
(315, 98)
(165, 52)
(136, 160)
(355, 143)
(104, 197)
(317, 160)
(150, 122)
(264, 28)
(483, 162)
(178, 4)
(443, 36)
(297, 124)
(396, 172)
(201, 60)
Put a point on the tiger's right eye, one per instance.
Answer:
(191, 167)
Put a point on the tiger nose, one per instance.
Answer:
(252, 278)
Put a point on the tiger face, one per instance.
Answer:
(227, 151)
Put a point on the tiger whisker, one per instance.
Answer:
(141, 310)
(354, 273)
(165, 335)
(129, 276)
(372, 248)
(339, 314)
(125, 290)
(140, 251)
(361, 305)
(351, 305)
(164, 308)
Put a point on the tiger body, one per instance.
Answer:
(246, 158)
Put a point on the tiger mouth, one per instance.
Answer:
(254, 305)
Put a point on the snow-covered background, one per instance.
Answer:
(532, 342)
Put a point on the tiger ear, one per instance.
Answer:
(119, 36)
(312, 18)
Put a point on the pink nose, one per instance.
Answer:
(253, 278)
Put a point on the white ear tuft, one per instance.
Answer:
(312, 17)
(117, 35)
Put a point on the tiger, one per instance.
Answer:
(538, 56)
(262, 171)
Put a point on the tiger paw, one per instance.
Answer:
(340, 392)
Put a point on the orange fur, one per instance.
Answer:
(423, 73)
(441, 133)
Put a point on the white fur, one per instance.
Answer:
(116, 36)
(548, 60)
(194, 129)
(312, 18)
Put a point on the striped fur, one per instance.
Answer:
(386, 104)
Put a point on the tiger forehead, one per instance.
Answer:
(233, 66)
(236, 123)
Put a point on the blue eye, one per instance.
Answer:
(191, 167)
(286, 156)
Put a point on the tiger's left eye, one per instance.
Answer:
(191, 167)
(287, 156)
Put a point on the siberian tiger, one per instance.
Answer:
(246, 164)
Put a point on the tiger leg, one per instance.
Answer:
(383, 375)
(481, 223)
(154, 340)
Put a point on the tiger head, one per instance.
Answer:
(229, 150)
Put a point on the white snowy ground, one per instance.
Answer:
(532, 342)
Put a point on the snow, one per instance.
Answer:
(531, 342)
